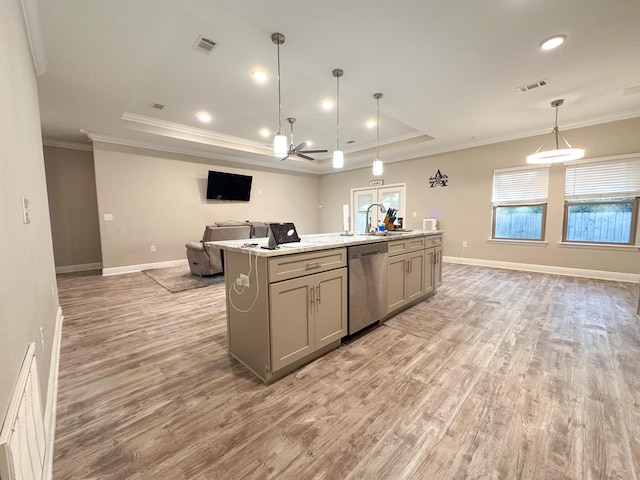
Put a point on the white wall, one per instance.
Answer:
(464, 206)
(159, 199)
(28, 294)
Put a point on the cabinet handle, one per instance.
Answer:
(318, 295)
(313, 297)
(314, 264)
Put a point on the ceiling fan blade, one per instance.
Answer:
(315, 151)
(285, 157)
(300, 147)
(302, 155)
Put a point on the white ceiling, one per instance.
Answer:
(448, 70)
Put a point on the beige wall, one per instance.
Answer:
(159, 199)
(464, 206)
(73, 207)
(28, 294)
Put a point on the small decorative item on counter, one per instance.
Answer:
(400, 222)
(381, 227)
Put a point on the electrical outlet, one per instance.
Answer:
(464, 244)
(153, 248)
(108, 217)
(244, 280)
(415, 214)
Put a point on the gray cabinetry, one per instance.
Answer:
(293, 310)
(405, 272)
(307, 313)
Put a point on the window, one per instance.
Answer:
(601, 202)
(519, 203)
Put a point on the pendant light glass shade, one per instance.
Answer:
(280, 144)
(338, 155)
(378, 167)
(338, 159)
(377, 163)
(557, 154)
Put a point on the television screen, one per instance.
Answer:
(228, 186)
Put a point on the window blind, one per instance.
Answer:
(522, 185)
(619, 178)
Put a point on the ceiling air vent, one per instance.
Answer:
(204, 45)
(157, 106)
(531, 86)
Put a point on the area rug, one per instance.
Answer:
(179, 279)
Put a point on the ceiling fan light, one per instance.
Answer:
(280, 146)
(338, 159)
(377, 167)
(556, 156)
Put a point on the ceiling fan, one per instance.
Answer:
(299, 151)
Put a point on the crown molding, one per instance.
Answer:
(127, 142)
(48, 142)
(213, 138)
(31, 16)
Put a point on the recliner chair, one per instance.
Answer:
(206, 261)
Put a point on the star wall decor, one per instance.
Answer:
(438, 179)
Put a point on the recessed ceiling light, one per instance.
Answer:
(260, 75)
(309, 143)
(553, 42)
(264, 132)
(370, 123)
(204, 117)
(327, 104)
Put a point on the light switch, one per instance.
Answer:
(26, 218)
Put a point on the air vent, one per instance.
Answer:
(204, 45)
(531, 86)
(157, 106)
(350, 141)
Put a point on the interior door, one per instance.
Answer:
(391, 196)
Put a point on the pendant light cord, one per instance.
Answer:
(337, 112)
(279, 96)
(378, 127)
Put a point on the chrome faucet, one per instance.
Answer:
(382, 210)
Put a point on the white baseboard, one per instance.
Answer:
(551, 269)
(145, 266)
(79, 268)
(52, 398)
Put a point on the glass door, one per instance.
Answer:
(391, 196)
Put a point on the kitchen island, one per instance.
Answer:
(288, 306)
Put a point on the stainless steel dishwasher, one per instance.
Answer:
(367, 284)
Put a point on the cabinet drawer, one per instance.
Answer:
(297, 265)
(397, 247)
(433, 241)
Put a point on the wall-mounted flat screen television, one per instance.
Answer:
(228, 186)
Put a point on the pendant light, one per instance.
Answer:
(558, 154)
(279, 141)
(377, 163)
(338, 155)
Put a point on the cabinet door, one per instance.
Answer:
(396, 282)
(331, 306)
(415, 275)
(437, 269)
(292, 333)
(429, 265)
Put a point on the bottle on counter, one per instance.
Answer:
(381, 227)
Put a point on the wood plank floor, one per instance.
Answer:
(501, 375)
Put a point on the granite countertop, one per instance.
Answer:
(311, 243)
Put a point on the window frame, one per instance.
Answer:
(633, 233)
(542, 226)
(521, 190)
